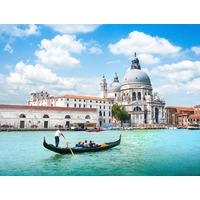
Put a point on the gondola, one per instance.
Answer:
(75, 150)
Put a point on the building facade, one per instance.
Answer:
(44, 117)
(194, 119)
(103, 106)
(178, 116)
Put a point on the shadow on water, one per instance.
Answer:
(56, 157)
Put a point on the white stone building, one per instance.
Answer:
(135, 95)
(44, 117)
(103, 106)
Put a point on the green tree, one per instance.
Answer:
(119, 113)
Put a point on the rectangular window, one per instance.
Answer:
(90, 106)
(96, 101)
(109, 113)
(74, 99)
(79, 100)
(84, 105)
(100, 107)
(104, 107)
(104, 121)
(74, 105)
(79, 105)
(90, 101)
(67, 105)
(104, 113)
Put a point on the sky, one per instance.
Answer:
(71, 59)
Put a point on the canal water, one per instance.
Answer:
(142, 152)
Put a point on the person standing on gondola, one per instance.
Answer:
(57, 136)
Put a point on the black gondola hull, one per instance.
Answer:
(60, 150)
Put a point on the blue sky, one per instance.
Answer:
(72, 59)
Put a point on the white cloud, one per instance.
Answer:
(143, 44)
(19, 30)
(73, 28)
(148, 59)
(196, 50)
(95, 50)
(178, 72)
(181, 78)
(113, 62)
(168, 88)
(57, 52)
(193, 86)
(8, 48)
(26, 77)
(28, 74)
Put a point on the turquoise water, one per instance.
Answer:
(142, 152)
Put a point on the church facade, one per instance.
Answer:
(135, 95)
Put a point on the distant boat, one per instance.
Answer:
(194, 127)
(94, 130)
(75, 150)
(173, 127)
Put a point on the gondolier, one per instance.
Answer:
(57, 136)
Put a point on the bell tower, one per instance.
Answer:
(103, 87)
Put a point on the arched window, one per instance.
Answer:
(67, 117)
(87, 117)
(134, 96)
(22, 116)
(46, 116)
(100, 113)
(139, 95)
(137, 109)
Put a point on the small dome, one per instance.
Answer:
(114, 87)
(137, 76)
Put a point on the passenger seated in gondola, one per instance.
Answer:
(92, 144)
(79, 144)
(86, 144)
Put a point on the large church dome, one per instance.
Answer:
(136, 75)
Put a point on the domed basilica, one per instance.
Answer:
(135, 95)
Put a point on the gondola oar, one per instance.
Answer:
(69, 147)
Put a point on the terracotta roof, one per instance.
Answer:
(24, 107)
(183, 114)
(181, 108)
(195, 116)
(189, 109)
(76, 97)
(82, 97)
